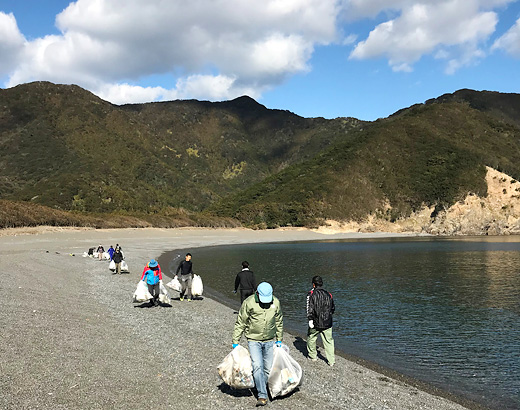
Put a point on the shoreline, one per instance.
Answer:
(469, 403)
(72, 338)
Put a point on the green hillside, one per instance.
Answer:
(431, 155)
(63, 147)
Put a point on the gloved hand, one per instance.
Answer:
(278, 344)
(235, 345)
(311, 324)
(160, 281)
(175, 277)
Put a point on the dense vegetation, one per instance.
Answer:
(430, 155)
(63, 147)
(16, 214)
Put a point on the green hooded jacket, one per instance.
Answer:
(258, 324)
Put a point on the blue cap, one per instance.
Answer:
(265, 292)
(152, 264)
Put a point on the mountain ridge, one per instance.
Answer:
(63, 147)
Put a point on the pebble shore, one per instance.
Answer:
(72, 338)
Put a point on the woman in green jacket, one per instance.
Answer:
(260, 319)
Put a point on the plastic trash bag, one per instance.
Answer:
(236, 370)
(141, 294)
(175, 284)
(106, 256)
(286, 373)
(124, 266)
(112, 266)
(196, 285)
(163, 295)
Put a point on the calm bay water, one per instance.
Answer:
(445, 311)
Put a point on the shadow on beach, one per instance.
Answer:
(150, 304)
(224, 388)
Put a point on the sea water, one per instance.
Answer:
(442, 310)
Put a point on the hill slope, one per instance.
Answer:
(63, 147)
(428, 155)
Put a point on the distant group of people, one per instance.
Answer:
(260, 319)
(111, 251)
(116, 255)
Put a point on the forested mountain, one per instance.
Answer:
(63, 147)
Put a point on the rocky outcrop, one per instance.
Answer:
(496, 214)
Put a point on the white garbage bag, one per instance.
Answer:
(112, 266)
(141, 294)
(196, 285)
(175, 284)
(286, 373)
(163, 295)
(124, 266)
(106, 256)
(236, 370)
(85, 255)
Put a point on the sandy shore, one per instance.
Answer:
(72, 339)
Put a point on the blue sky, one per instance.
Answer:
(328, 58)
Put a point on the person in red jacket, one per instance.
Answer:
(152, 275)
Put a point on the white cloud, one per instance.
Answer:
(359, 9)
(279, 54)
(126, 93)
(454, 28)
(350, 39)
(223, 45)
(201, 87)
(510, 41)
(469, 57)
(11, 43)
(220, 88)
(220, 49)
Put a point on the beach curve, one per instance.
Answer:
(72, 338)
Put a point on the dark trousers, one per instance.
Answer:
(154, 291)
(186, 285)
(244, 294)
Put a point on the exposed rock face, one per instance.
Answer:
(496, 214)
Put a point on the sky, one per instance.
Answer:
(317, 58)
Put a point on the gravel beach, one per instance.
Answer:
(72, 339)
